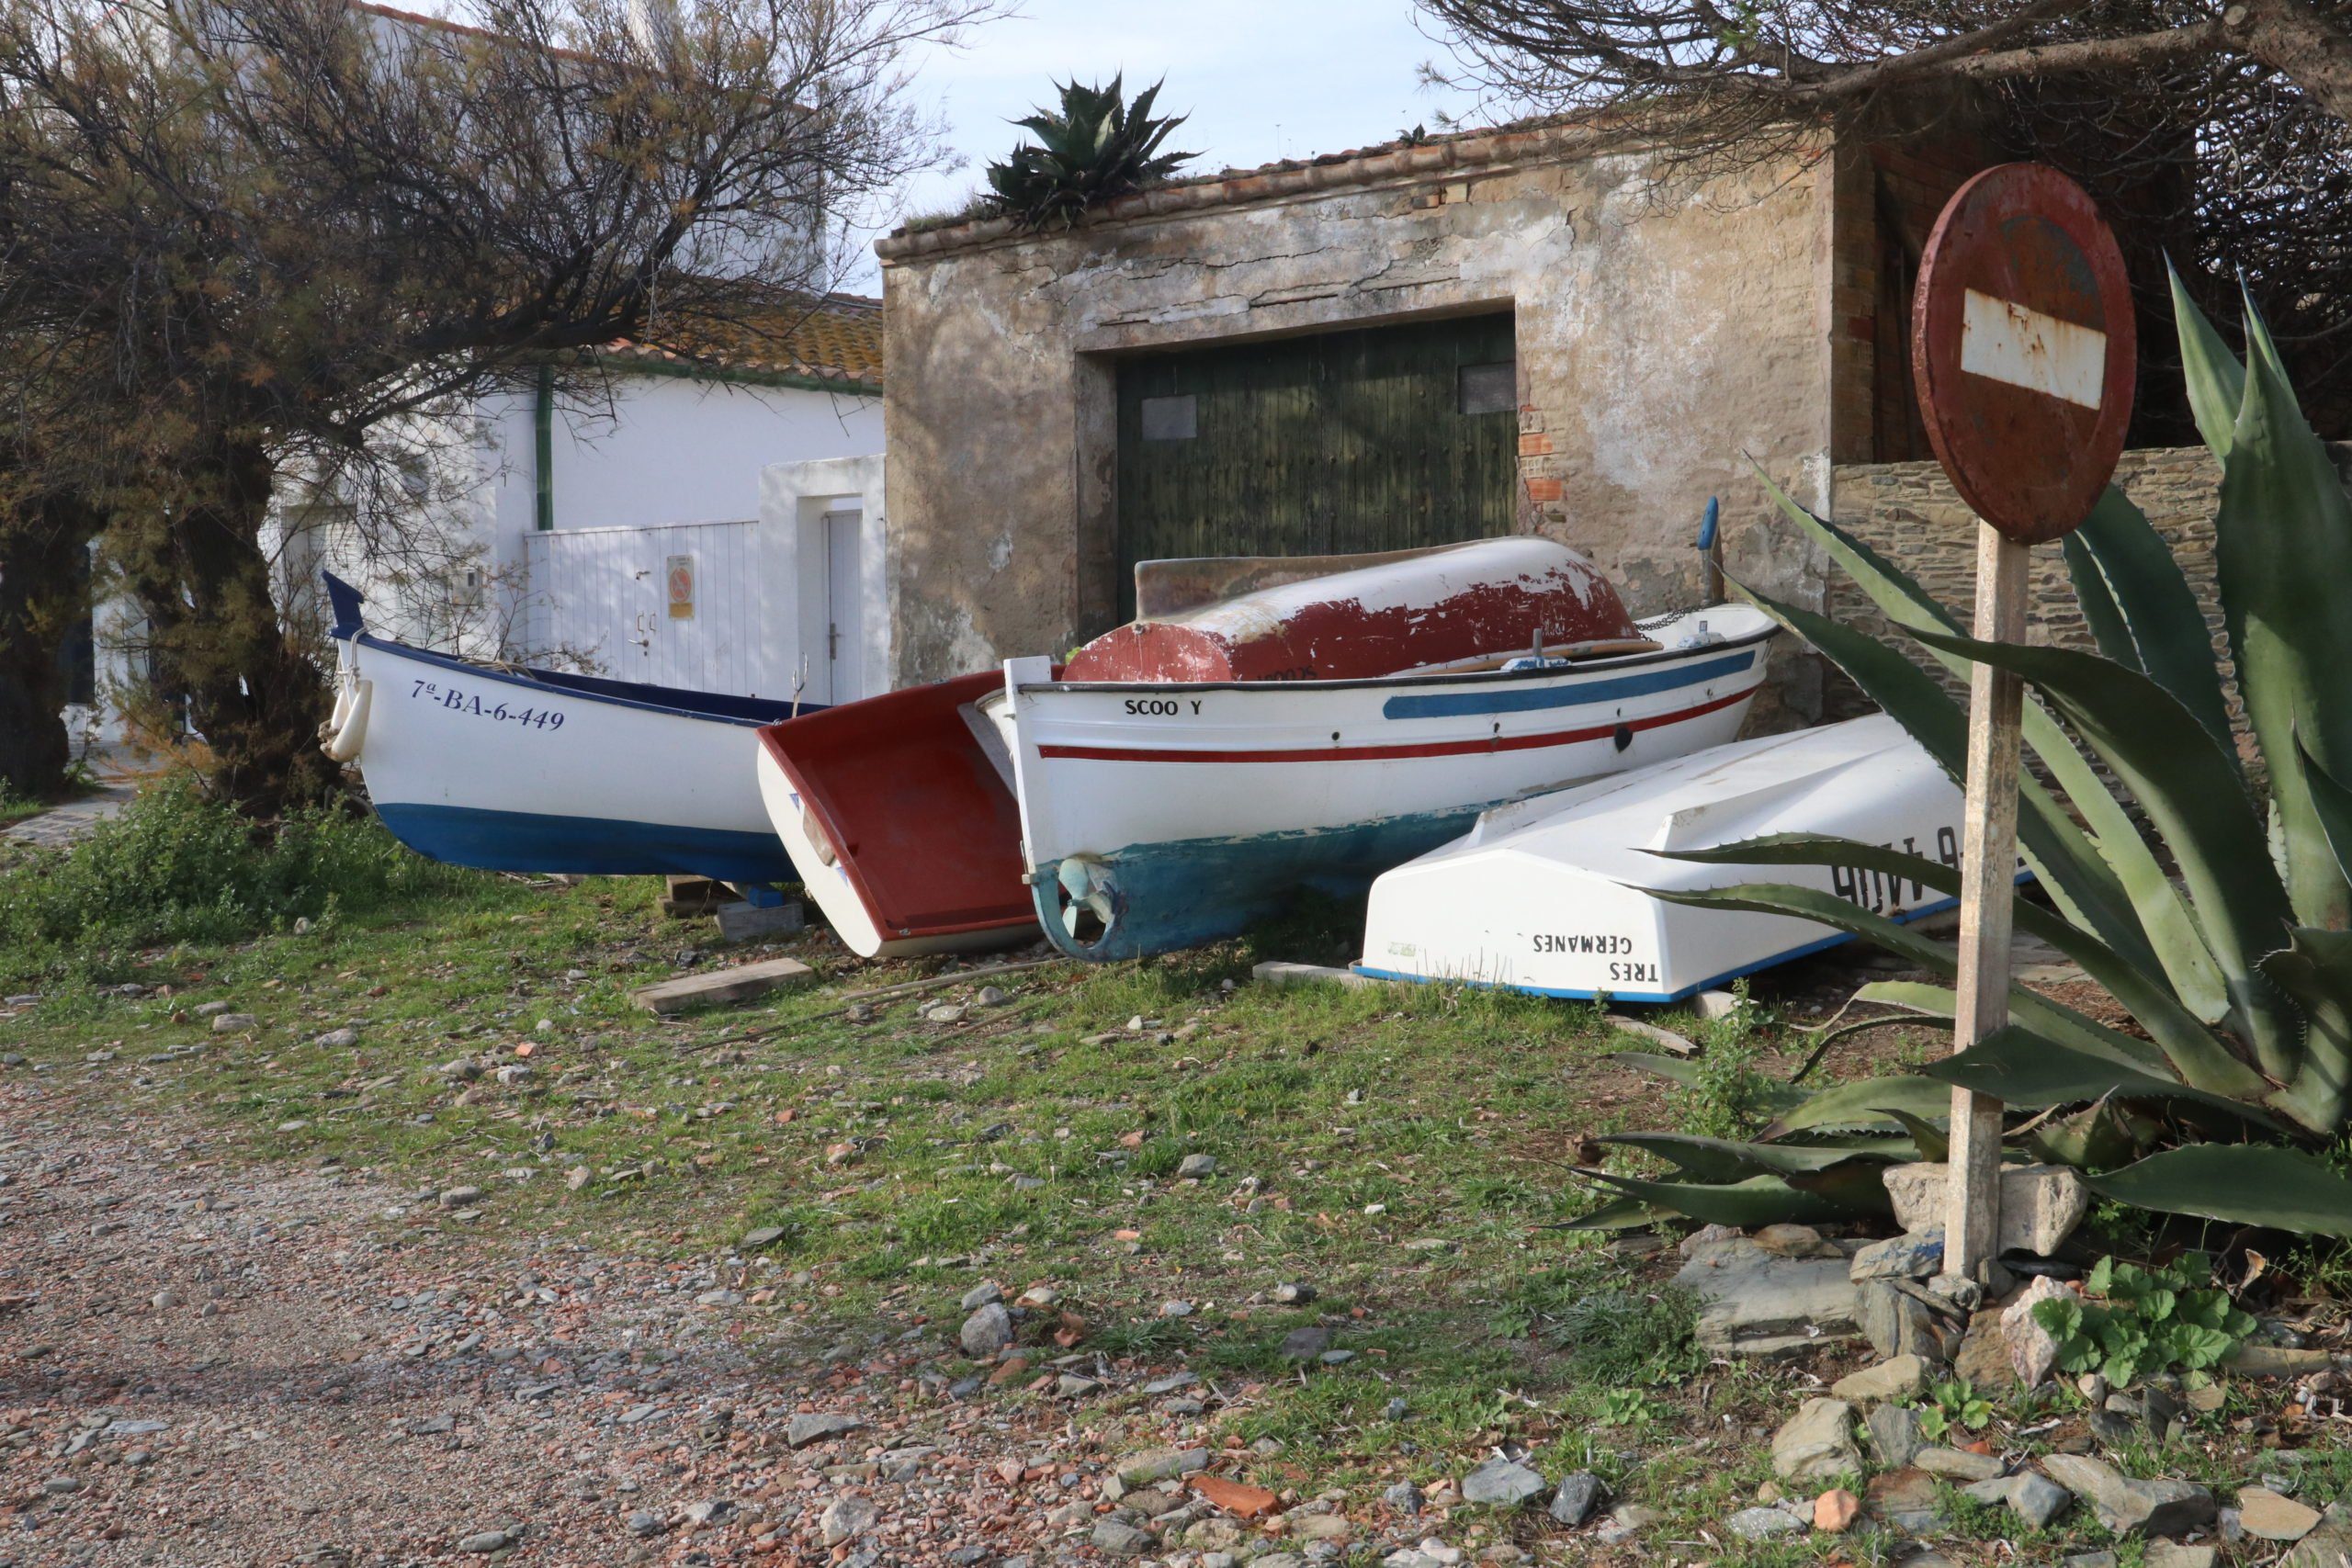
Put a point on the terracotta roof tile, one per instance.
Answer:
(838, 338)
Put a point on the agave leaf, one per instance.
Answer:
(2216, 381)
(2283, 550)
(1758, 1201)
(1857, 1186)
(2109, 629)
(1725, 1159)
(1865, 1103)
(2122, 565)
(2195, 800)
(2069, 865)
(1934, 1146)
(2331, 803)
(2053, 1018)
(1617, 1215)
(1940, 1002)
(2111, 881)
(2195, 1053)
(2098, 1138)
(2020, 1067)
(2242, 1184)
(2315, 969)
(1821, 1046)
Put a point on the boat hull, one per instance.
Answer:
(1548, 895)
(1166, 816)
(905, 829)
(502, 772)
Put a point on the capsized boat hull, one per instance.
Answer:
(1157, 816)
(1546, 896)
(532, 771)
(903, 826)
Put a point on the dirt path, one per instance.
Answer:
(202, 1363)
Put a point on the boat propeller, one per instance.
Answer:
(1086, 892)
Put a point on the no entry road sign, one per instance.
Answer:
(2024, 349)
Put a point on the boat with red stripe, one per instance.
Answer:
(1157, 814)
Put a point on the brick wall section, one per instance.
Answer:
(1909, 512)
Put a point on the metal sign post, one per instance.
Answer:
(2023, 348)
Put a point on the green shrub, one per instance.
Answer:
(174, 866)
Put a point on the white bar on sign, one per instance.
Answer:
(2022, 348)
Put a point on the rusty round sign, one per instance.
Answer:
(2023, 344)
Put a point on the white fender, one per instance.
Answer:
(351, 724)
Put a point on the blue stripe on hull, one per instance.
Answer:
(1454, 704)
(1172, 895)
(584, 846)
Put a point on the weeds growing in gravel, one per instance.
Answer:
(174, 866)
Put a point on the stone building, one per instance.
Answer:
(1515, 330)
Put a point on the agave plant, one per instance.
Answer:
(1095, 147)
(2239, 971)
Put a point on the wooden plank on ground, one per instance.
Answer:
(1664, 1040)
(1280, 973)
(737, 985)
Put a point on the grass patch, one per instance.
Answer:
(175, 867)
(1404, 1150)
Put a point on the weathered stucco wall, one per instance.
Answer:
(1661, 336)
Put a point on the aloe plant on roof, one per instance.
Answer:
(2239, 972)
(1094, 147)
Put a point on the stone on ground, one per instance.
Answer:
(1836, 1510)
(1906, 1500)
(1573, 1503)
(2329, 1545)
(2041, 1204)
(1898, 1322)
(1795, 1241)
(1114, 1539)
(1161, 1464)
(1914, 1255)
(2033, 1351)
(1959, 1465)
(1890, 1379)
(987, 1331)
(802, 1430)
(2174, 1554)
(1895, 1436)
(1502, 1483)
(846, 1518)
(1817, 1444)
(1763, 1524)
(2272, 1517)
(1752, 1303)
(2131, 1507)
(2034, 1499)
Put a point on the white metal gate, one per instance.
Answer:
(687, 604)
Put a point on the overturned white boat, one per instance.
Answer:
(1547, 895)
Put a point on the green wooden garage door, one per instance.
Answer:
(1388, 438)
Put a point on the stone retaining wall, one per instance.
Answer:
(1909, 512)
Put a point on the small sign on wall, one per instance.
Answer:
(679, 572)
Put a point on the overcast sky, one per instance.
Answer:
(1261, 79)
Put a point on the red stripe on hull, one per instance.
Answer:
(1386, 753)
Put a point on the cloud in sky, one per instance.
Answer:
(1260, 79)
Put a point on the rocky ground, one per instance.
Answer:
(213, 1365)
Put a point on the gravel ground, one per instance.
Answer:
(203, 1362)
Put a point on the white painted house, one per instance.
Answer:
(710, 525)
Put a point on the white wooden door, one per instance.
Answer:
(844, 608)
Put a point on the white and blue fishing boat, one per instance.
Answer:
(1157, 814)
(1555, 896)
(510, 768)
